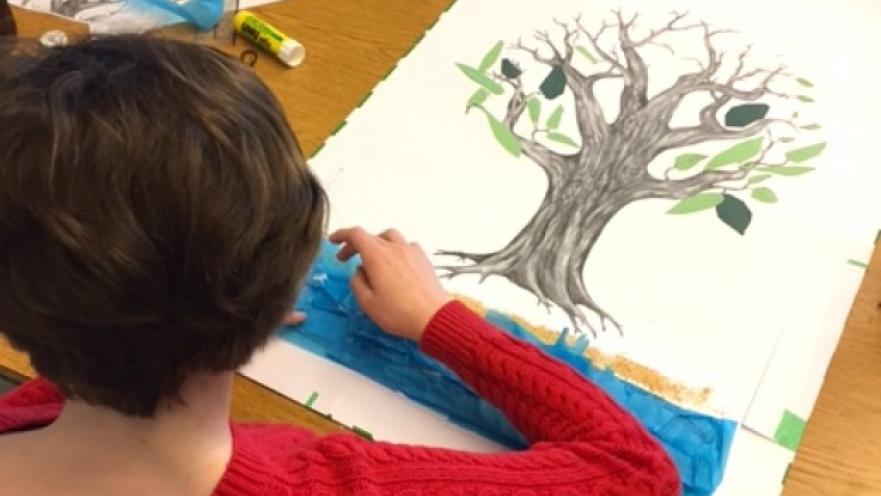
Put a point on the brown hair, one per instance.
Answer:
(156, 215)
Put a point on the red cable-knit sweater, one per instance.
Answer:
(581, 442)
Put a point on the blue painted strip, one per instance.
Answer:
(338, 330)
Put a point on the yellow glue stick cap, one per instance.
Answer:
(269, 38)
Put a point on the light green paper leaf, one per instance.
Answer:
(504, 135)
(554, 119)
(805, 98)
(738, 153)
(687, 161)
(758, 178)
(804, 154)
(787, 139)
(491, 57)
(787, 171)
(561, 138)
(765, 195)
(804, 82)
(589, 56)
(477, 98)
(533, 105)
(696, 203)
(812, 127)
(481, 79)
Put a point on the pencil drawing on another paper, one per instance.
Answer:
(594, 173)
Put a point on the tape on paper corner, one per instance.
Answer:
(790, 430)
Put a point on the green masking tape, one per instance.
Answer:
(790, 430)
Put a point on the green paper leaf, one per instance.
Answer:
(786, 140)
(554, 120)
(554, 84)
(744, 115)
(477, 98)
(509, 70)
(812, 127)
(561, 138)
(504, 135)
(804, 82)
(765, 195)
(491, 56)
(804, 154)
(787, 171)
(734, 213)
(481, 79)
(687, 161)
(758, 178)
(738, 153)
(586, 53)
(533, 105)
(805, 98)
(696, 203)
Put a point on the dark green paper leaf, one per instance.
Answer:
(481, 79)
(744, 115)
(509, 70)
(734, 213)
(491, 56)
(554, 84)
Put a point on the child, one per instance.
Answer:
(156, 219)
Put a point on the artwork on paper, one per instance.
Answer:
(642, 193)
(605, 167)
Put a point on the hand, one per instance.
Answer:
(395, 285)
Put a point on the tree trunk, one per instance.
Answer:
(548, 256)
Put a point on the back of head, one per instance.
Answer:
(156, 215)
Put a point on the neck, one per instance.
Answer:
(188, 442)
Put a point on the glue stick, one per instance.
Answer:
(269, 38)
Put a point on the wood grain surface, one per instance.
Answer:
(351, 45)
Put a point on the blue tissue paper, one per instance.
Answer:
(339, 331)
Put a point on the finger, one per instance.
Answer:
(294, 318)
(356, 240)
(360, 285)
(346, 252)
(393, 236)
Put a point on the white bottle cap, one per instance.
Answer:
(291, 53)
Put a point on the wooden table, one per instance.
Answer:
(351, 45)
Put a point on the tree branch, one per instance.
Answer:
(683, 188)
(543, 156)
(712, 130)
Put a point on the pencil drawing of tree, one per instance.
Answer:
(606, 167)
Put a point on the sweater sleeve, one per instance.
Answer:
(581, 442)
